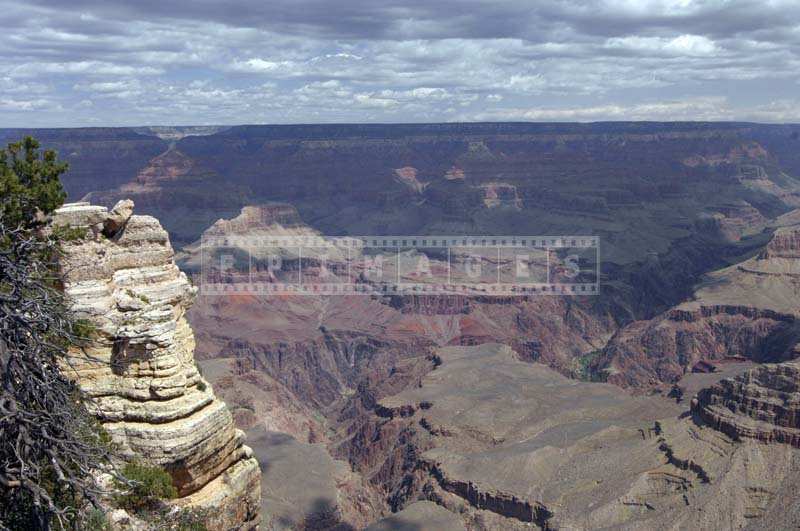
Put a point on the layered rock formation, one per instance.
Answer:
(733, 221)
(169, 166)
(747, 310)
(641, 187)
(247, 231)
(665, 348)
(785, 243)
(140, 373)
(763, 404)
(510, 445)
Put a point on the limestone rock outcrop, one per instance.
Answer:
(118, 217)
(763, 404)
(140, 374)
(785, 243)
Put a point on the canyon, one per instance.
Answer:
(667, 400)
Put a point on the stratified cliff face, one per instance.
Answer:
(785, 243)
(667, 347)
(748, 310)
(763, 404)
(141, 376)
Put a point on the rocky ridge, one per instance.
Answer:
(747, 310)
(762, 404)
(511, 445)
(140, 374)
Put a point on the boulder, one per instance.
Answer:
(118, 217)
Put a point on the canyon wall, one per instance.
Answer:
(139, 373)
(747, 310)
(670, 204)
(762, 403)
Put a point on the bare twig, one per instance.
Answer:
(50, 446)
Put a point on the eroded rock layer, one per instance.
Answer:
(140, 374)
(747, 310)
(763, 403)
(510, 445)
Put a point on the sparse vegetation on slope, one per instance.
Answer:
(50, 444)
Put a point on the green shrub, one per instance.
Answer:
(95, 520)
(29, 183)
(201, 386)
(148, 485)
(183, 520)
(133, 295)
(64, 233)
(582, 367)
(84, 329)
(49, 438)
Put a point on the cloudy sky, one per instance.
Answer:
(194, 62)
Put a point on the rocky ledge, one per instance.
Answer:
(140, 373)
(747, 310)
(762, 403)
(505, 444)
(785, 243)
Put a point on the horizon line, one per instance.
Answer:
(454, 123)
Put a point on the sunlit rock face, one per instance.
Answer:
(140, 374)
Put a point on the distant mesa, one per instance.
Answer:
(749, 151)
(178, 132)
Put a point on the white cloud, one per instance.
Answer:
(691, 45)
(681, 45)
(82, 67)
(689, 109)
(371, 100)
(110, 86)
(261, 66)
(527, 83)
(656, 7)
(16, 105)
(399, 61)
(714, 108)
